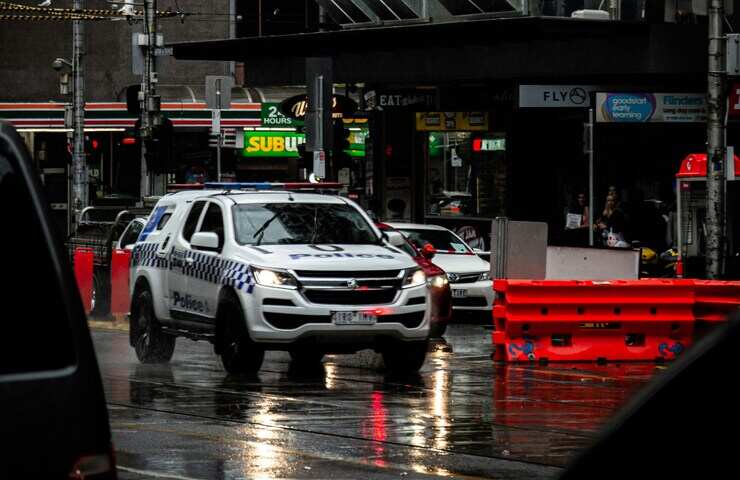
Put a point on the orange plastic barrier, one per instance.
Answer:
(83, 267)
(621, 320)
(715, 300)
(120, 299)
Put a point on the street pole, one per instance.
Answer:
(716, 142)
(150, 100)
(592, 203)
(614, 7)
(79, 165)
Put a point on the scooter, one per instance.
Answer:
(658, 266)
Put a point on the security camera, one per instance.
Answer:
(59, 63)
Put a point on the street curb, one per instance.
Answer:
(117, 324)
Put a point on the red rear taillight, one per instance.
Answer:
(100, 466)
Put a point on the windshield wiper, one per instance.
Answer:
(261, 231)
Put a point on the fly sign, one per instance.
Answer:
(556, 96)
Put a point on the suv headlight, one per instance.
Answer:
(484, 276)
(274, 278)
(414, 278)
(437, 281)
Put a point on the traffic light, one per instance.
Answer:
(93, 148)
(304, 161)
(158, 154)
(340, 145)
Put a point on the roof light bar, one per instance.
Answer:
(274, 186)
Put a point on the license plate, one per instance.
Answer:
(458, 293)
(353, 318)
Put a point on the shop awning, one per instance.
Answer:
(695, 166)
(197, 93)
(183, 104)
(470, 51)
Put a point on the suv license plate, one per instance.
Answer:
(458, 293)
(353, 318)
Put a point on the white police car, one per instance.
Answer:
(256, 270)
(470, 281)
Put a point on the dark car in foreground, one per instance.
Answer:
(52, 406)
(441, 296)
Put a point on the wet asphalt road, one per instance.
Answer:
(463, 416)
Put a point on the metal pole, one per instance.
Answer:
(716, 104)
(79, 165)
(679, 221)
(614, 9)
(218, 158)
(150, 105)
(218, 132)
(591, 200)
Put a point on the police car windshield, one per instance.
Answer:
(442, 240)
(300, 223)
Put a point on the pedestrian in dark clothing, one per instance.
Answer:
(612, 221)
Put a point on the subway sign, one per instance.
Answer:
(272, 144)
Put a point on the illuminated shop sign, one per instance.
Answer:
(489, 144)
(272, 144)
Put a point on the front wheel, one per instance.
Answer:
(151, 344)
(239, 354)
(303, 357)
(438, 329)
(405, 357)
(100, 306)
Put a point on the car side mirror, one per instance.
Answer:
(395, 238)
(205, 241)
(428, 251)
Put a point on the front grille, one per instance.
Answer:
(408, 320)
(350, 297)
(347, 274)
(289, 321)
(470, 302)
(464, 277)
(284, 302)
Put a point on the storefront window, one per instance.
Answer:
(466, 174)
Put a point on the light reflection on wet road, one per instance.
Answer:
(462, 416)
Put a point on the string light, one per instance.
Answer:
(31, 13)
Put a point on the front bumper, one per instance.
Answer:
(478, 296)
(282, 316)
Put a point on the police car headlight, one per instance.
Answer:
(484, 276)
(414, 278)
(437, 281)
(274, 278)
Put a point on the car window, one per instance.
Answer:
(131, 234)
(163, 221)
(38, 333)
(300, 223)
(443, 241)
(192, 221)
(213, 221)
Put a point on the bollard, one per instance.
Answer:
(83, 267)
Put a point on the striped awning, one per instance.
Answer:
(114, 115)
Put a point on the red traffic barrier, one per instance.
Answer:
(120, 299)
(621, 320)
(83, 267)
(715, 300)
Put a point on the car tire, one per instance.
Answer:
(437, 329)
(151, 344)
(239, 354)
(405, 357)
(100, 307)
(303, 357)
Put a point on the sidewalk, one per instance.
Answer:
(115, 323)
